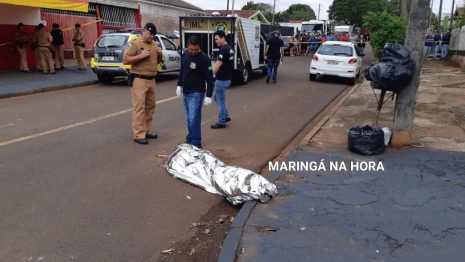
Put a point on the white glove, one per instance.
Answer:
(179, 91)
(207, 101)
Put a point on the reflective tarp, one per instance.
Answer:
(201, 168)
(68, 5)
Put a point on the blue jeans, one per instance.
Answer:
(220, 99)
(435, 51)
(193, 110)
(273, 65)
(444, 50)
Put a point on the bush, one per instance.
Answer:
(384, 28)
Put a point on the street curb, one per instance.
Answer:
(48, 89)
(317, 128)
(233, 238)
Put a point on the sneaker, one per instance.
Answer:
(228, 119)
(268, 79)
(274, 81)
(217, 126)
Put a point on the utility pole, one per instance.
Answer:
(272, 19)
(452, 15)
(232, 7)
(406, 98)
(430, 13)
(318, 12)
(440, 12)
(227, 8)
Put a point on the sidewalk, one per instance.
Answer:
(414, 210)
(14, 82)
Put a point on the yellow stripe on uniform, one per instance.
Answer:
(77, 124)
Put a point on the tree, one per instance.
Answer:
(351, 12)
(393, 7)
(264, 7)
(299, 12)
(385, 28)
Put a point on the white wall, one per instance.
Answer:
(15, 14)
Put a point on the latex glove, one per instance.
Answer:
(207, 101)
(179, 91)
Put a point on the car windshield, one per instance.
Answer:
(336, 50)
(112, 41)
(286, 39)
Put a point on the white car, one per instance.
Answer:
(337, 58)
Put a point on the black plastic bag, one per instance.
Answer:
(367, 71)
(390, 76)
(395, 53)
(366, 140)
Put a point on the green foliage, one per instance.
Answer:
(384, 28)
(294, 12)
(265, 8)
(393, 7)
(351, 12)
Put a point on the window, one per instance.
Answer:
(168, 44)
(112, 41)
(336, 50)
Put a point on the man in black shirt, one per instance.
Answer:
(445, 46)
(196, 70)
(223, 70)
(274, 54)
(59, 44)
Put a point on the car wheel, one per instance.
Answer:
(312, 77)
(105, 79)
(352, 81)
(243, 76)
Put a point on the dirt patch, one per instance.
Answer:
(210, 232)
(266, 230)
(288, 178)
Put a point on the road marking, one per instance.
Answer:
(24, 138)
(10, 124)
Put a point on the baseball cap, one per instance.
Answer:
(151, 28)
(40, 26)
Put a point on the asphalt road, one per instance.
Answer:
(75, 187)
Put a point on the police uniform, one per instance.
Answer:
(21, 45)
(36, 50)
(143, 85)
(79, 49)
(43, 41)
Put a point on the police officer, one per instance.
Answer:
(79, 45)
(58, 44)
(36, 50)
(144, 55)
(196, 70)
(44, 39)
(21, 39)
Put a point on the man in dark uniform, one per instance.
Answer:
(44, 39)
(21, 39)
(274, 54)
(59, 44)
(143, 55)
(223, 71)
(196, 70)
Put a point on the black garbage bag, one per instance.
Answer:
(367, 71)
(390, 76)
(366, 140)
(395, 53)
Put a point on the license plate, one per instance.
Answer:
(333, 62)
(108, 58)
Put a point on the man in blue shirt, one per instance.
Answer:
(428, 45)
(329, 37)
(437, 42)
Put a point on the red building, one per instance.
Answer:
(95, 19)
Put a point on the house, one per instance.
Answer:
(256, 15)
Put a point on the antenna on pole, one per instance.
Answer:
(318, 11)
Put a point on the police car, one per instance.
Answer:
(107, 61)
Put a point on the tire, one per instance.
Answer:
(312, 77)
(352, 81)
(105, 79)
(243, 76)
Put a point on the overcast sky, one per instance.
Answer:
(282, 5)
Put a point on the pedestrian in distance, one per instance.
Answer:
(21, 40)
(79, 45)
(445, 45)
(428, 45)
(196, 72)
(274, 55)
(223, 71)
(144, 55)
(58, 44)
(44, 40)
